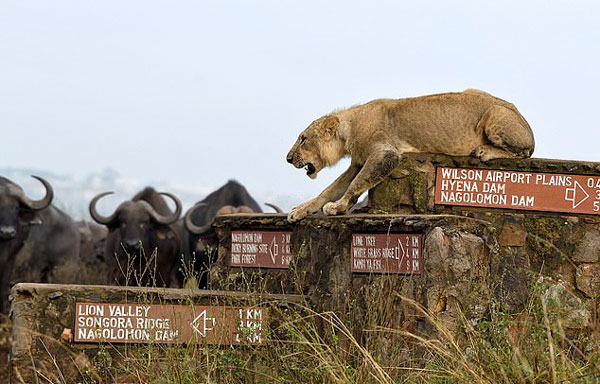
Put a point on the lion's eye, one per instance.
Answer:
(302, 140)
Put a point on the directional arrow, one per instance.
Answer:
(575, 196)
(400, 247)
(201, 323)
(400, 257)
(274, 250)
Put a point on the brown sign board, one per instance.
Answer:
(386, 253)
(150, 323)
(264, 249)
(532, 191)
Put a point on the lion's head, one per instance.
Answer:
(318, 146)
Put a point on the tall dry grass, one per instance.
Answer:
(304, 346)
(310, 347)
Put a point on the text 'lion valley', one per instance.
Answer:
(534, 191)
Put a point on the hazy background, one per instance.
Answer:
(188, 94)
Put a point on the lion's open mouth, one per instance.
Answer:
(310, 169)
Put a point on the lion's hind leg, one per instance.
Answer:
(508, 133)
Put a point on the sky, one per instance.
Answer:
(199, 92)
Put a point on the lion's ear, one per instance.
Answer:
(331, 124)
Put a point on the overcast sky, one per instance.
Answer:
(198, 92)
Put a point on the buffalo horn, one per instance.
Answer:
(276, 208)
(166, 220)
(36, 205)
(190, 226)
(94, 213)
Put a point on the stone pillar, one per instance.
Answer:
(563, 245)
(459, 255)
(472, 255)
(43, 333)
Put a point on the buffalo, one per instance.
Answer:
(94, 268)
(199, 242)
(143, 241)
(38, 242)
(93, 239)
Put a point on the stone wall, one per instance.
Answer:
(43, 318)
(475, 262)
(565, 246)
(473, 258)
(410, 187)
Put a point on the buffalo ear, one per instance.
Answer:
(28, 217)
(331, 124)
(164, 233)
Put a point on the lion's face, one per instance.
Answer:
(311, 149)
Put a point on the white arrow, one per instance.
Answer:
(201, 323)
(274, 250)
(400, 246)
(571, 195)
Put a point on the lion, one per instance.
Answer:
(376, 134)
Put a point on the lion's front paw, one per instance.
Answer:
(301, 211)
(296, 214)
(335, 208)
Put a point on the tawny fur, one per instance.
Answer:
(376, 134)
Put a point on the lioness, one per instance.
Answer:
(376, 134)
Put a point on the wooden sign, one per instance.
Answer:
(150, 323)
(386, 253)
(532, 191)
(264, 249)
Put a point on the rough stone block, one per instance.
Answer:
(550, 242)
(570, 308)
(411, 187)
(456, 261)
(44, 325)
(588, 249)
(588, 279)
(467, 262)
(457, 269)
(512, 235)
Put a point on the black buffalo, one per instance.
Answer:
(143, 243)
(93, 239)
(94, 267)
(38, 242)
(199, 242)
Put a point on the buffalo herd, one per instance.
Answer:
(143, 242)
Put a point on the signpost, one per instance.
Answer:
(386, 253)
(532, 191)
(145, 323)
(264, 249)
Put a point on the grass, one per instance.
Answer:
(365, 346)
(4, 345)
(305, 346)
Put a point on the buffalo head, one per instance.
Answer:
(224, 210)
(17, 214)
(17, 210)
(136, 221)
